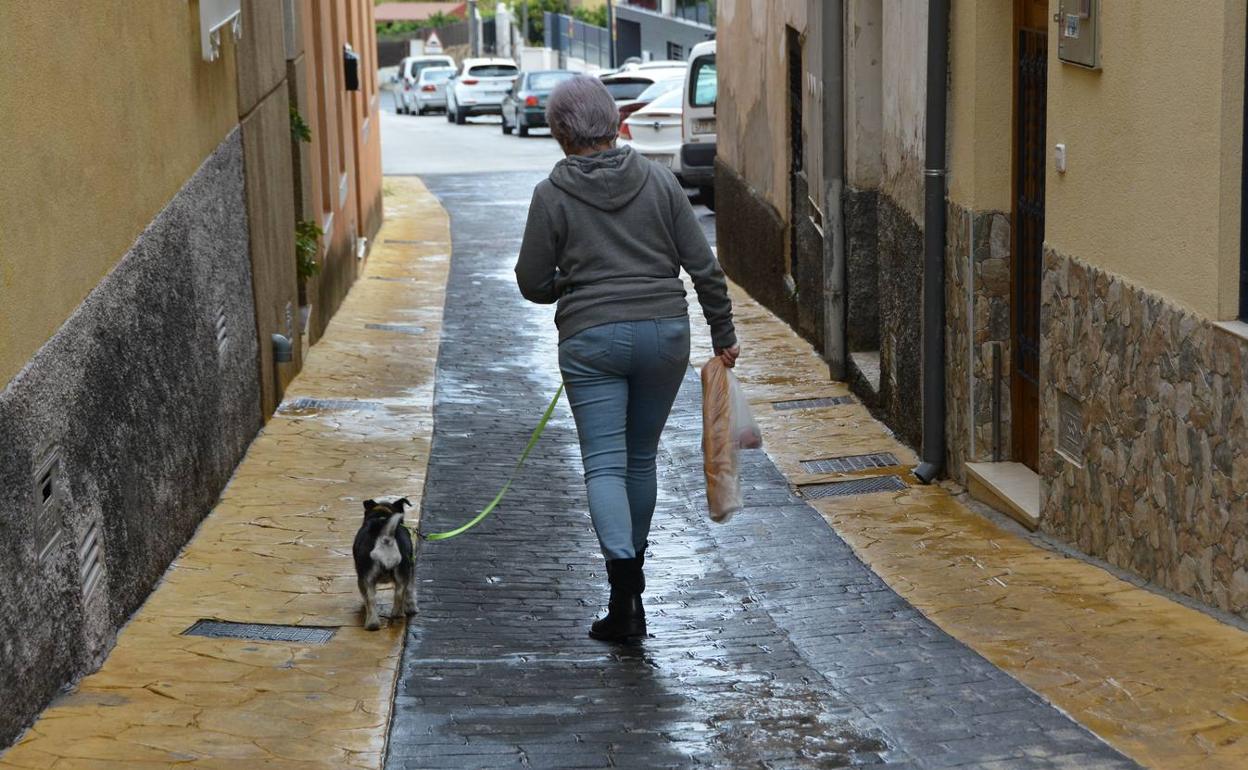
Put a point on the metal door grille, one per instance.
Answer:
(1032, 150)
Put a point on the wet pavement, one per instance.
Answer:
(772, 644)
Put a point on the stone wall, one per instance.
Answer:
(901, 319)
(1144, 433)
(977, 297)
(862, 273)
(138, 410)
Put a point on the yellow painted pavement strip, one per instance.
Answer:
(1162, 683)
(277, 549)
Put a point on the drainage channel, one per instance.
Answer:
(811, 403)
(397, 328)
(260, 632)
(305, 404)
(863, 486)
(851, 463)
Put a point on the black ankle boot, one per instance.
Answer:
(626, 618)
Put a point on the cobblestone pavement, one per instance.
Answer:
(772, 645)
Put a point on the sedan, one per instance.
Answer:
(430, 91)
(656, 89)
(524, 106)
(479, 88)
(654, 131)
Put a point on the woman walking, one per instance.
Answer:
(607, 235)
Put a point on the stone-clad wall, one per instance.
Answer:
(977, 295)
(900, 402)
(862, 261)
(145, 400)
(1144, 433)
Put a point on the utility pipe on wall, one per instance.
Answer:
(933, 455)
(835, 348)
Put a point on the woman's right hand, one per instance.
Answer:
(728, 355)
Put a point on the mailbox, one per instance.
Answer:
(350, 68)
(1078, 32)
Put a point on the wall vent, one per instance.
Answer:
(223, 331)
(49, 493)
(90, 562)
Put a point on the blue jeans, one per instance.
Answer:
(621, 379)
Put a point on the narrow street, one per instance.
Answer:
(772, 645)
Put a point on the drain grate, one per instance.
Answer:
(260, 632)
(812, 403)
(853, 487)
(329, 405)
(395, 279)
(851, 463)
(397, 328)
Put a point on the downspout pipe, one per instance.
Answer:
(834, 288)
(933, 454)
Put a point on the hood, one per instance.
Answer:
(605, 180)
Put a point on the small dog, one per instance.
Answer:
(384, 552)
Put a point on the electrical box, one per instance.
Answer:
(1078, 32)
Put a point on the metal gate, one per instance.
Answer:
(1031, 153)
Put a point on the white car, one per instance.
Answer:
(654, 131)
(430, 91)
(478, 88)
(408, 77)
(626, 85)
(698, 134)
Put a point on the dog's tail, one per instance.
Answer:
(386, 550)
(392, 526)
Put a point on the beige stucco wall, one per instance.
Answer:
(1154, 146)
(863, 111)
(980, 104)
(754, 103)
(113, 111)
(904, 101)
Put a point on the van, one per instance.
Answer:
(697, 150)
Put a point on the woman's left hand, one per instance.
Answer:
(728, 355)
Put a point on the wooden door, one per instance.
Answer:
(1030, 156)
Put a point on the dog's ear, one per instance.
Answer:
(399, 504)
(369, 505)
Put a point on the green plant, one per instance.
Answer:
(299, 130)
(595, 16)
(307, 244)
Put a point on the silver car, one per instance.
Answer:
(430, 90)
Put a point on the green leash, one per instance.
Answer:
(480, 517)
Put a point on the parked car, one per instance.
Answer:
(654, 91)
(478, 88)
(626, 85)
(408, 75)
(524, 106)
(430, 91)
(655, 130)
(697, 152)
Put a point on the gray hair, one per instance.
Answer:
(582, 114)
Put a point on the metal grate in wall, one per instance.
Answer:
(864, 486)
(851, 463)
(223, 331)
(260, 632)
(48, 496)
(90, 564)
(811, 403)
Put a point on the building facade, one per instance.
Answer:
(661, 29)
(147, 259)
(1094, 344)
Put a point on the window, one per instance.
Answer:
(546, 81)
(675, 52)
(626, 88)
(436, 74)
(704, 84)
(493, 71)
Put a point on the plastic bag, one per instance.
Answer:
(727, 427)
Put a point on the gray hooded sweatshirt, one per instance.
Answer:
(606, 238)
